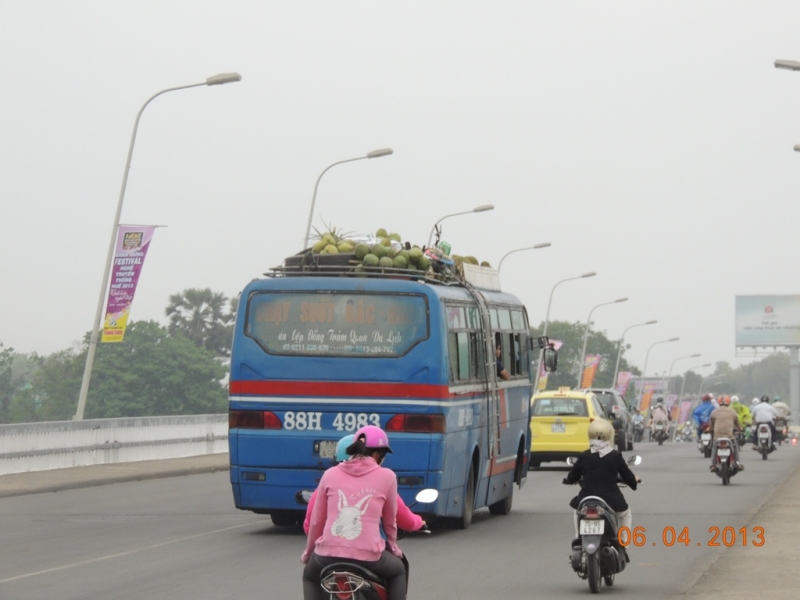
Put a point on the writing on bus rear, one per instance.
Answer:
(336, 324)
(312, 421)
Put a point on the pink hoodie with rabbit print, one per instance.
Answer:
(352, 499)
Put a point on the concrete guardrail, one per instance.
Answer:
(60, 444)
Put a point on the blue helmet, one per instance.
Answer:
(341, 448)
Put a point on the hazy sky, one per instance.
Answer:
(648, 141)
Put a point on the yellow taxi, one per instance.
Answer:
(560, 423)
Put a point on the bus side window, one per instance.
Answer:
(452, 347)
(463, 355)
(478, 358)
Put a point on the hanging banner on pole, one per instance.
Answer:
(686, 408)
(623, 379)
(648, 390)
(132, 245)
(590, 364)
(542, 373)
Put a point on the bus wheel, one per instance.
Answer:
(465, 520)
(503, 507)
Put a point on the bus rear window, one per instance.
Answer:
(336, 323)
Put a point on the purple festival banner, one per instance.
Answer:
(132, 244)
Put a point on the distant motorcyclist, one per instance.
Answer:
(701, 414)
(763, 413)
(597, 470)
(724, 424)
(745, 418)
(659, 414)
(782, 421)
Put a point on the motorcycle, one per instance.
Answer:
(764, 437)
(687, 433)
(781, 430)
(599, 557)
(743, 435)
(704, 442)
(348, 581)
(638, 431)
(725, 465)
(660, 432)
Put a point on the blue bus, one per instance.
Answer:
(316, 356)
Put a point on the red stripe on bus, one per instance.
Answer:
(335, 389)
(495, 468)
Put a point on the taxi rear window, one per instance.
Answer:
(561, 407)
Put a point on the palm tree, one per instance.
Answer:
(199, 315)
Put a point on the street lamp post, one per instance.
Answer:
(669, 377)
(373, 154)
(477, 209)
(586, 336)
(683, 383)
(647, 356)
(535, 247)
(702, 383)
(219, 79)
(619, 348)
(547, 322)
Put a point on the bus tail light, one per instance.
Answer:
(253, 419)
(417, 424)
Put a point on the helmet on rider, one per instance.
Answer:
(341, 448)
(755, 401)
(724, 401)
(659, 400)
(765, 398)
(369, 439)
(707, 397)
(600, 429)
(734, 399)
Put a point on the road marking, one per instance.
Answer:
(120, 554)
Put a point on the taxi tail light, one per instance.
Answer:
(417, 424)
(253, 419)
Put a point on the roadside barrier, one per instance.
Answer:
(59, 444)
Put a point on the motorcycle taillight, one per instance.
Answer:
(723, 443)
(592, 511)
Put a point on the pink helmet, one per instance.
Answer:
(374, 437)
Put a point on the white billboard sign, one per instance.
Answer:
(767, 320)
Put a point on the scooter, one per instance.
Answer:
(781, 429)
(764, 437)
(660, 433)
(704, 442)
(348, 581)
(687, 433)
(725, 465)
(638, 431)
(599, 557)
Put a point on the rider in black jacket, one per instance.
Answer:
(597, 470)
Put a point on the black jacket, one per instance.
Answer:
(600, 478)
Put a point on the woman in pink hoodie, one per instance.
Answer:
(354, 498)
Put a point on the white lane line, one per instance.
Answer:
(120, 554)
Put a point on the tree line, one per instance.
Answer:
(181, 368)
(177, 369)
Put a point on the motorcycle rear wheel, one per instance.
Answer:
(707, 452)
(593, 566)
(608, 580)
(726, 476)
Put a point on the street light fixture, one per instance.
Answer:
(619, 348)
(586, 336)
(477, 209)
(547, 321)
(702, 383)
(373, 154)
(535, 247)
(791, 65)
(647, 356)
(220, 79)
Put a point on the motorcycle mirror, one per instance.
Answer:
(635, 460)
(303, 496)
(571, 460)
(427, 496)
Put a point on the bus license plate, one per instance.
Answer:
(592, 527)
(723, 452)
(558, 428)
(325, 448)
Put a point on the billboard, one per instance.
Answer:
(767, 320)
